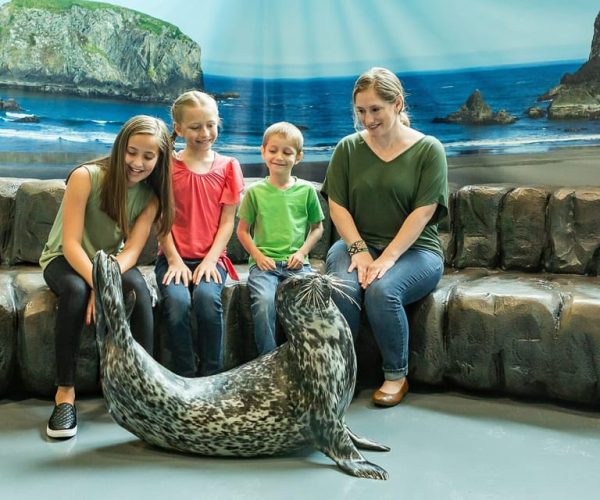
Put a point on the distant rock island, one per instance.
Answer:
(94, 49)
(578, 94)
(476, 112)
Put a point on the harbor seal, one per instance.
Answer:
(293, 397)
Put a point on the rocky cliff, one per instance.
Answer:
(578, 94)
(94, 49)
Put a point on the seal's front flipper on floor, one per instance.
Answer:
(334, 440)
(364, 443)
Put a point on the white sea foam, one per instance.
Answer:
(15, 116)
(522, 141)
(49, 134)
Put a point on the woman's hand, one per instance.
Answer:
(90, 313)
(361, 262)
(377, 269)
(208, 270)
(178, 272)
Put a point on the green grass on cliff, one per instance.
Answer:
(144, 21)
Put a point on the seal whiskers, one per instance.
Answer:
(292, 397)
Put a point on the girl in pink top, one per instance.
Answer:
(192, 265)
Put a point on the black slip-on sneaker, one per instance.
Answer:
(63, 421)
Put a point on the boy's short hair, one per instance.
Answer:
(287, 130)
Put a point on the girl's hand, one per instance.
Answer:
(361, 262)
(178, 272)
(296, 261)
(377, 269)
(207, 270)
(265, 263)
(90, 313)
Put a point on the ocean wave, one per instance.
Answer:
(256, 149)
(11, 115)
(522, 141)
(49, 135)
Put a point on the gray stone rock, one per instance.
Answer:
(477, 209)
(36, 205)
(576, 349)
(501, 332)
(238, 341)
(428, 323)
(535, 112)
(8, 194)
(573, 230)
(523, 228)
(8, 333)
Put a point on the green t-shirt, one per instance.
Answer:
(380, 195)
(100, 232)
(281, 217)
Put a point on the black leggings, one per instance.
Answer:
(73, 296)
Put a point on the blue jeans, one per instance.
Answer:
(177, 302)
(262, 286)
(415, 274)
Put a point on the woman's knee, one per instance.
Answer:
(378, 292)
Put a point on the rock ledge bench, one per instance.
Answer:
(517, 312)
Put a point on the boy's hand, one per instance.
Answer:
(265, 263)
(296, 260)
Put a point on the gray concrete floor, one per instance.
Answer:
(444, 446)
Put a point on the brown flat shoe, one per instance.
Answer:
(381, 398)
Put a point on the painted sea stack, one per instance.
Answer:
(294, 397)
(578, 94)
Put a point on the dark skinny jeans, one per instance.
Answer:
(73, 295)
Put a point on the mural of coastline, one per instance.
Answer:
(487, 78)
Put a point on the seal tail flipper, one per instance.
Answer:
(364, 443)
(334, 440)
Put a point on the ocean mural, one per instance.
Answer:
(60, 108)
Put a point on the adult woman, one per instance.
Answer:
(387, 188)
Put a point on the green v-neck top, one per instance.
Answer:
(381, 194)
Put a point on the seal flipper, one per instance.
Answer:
(364, 443)
(332, 438)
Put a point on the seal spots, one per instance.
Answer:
(293, 397)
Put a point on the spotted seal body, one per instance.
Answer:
(293, 397)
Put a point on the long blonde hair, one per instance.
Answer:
(386, 85)
(113, 193)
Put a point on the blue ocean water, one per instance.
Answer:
(321, 107)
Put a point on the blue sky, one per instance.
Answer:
(314, 38)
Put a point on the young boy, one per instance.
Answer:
(281, 208)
